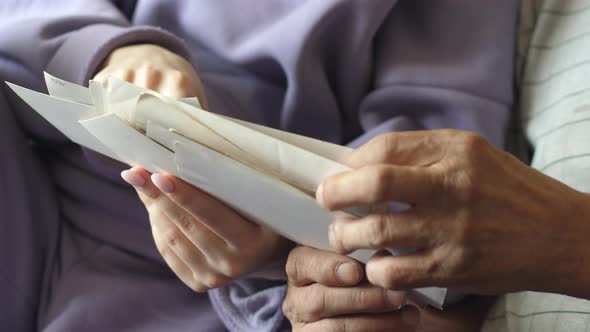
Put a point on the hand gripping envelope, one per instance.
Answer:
(228, 158)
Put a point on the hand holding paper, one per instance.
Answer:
(204, 242)
(155, 68)
(265, 175)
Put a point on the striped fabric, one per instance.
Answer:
(554, 77)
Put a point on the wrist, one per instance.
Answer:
(582, 264)
(573, 261)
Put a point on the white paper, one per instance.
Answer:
(127, 124)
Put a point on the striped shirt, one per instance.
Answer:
(554, 80)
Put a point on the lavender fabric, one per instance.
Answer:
(76, 251)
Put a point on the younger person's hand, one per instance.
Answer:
(155, 68)
(204, 242)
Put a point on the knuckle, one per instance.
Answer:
(127, 74)
(383, 145)
(151, 193)
(172, 238)
(294, 264)
(179, 78)
(230, 268)
(369, 298)
(101, 77)
(149, 69)
(315, 306)
(432, 267)
(185, 222)
(196, 285)
(386, 277)
(215, 280)
(289, 308)
(460, 181)
(377, 230)
(471, 144)
(378, 179)
(164, 250)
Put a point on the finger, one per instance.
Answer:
(405, 320)
(316, 302)
(169, 236)
(209, 243)
(139, 178)
(136, 176)
(376, 184)
(148, 77)
(201, 237)
(306, 265)
(409, 148)
(182, 271)
(405, 272)
(177, 84)
(102, 77)
(124, 74)
(403, 230)
(218, 217)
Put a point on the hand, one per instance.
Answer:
(155, 68)
(203, 241)
(326, 292)
(484, 222)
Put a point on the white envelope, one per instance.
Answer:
(113, 122)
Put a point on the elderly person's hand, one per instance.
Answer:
(327, 293)
(483, 221)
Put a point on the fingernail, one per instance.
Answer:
(319, 194)
(410, 316)
(348, 273)
(133, 178)
(163, 183)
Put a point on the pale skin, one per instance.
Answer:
(205, 243)
(319, 298)
(484, 222)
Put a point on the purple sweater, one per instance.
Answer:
(338, 70)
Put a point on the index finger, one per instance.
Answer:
(218, 217)
(376, 184)
(409, 148)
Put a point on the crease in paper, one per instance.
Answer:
(247, 166)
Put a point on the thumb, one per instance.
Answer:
(307, 266)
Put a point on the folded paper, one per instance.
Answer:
(267, 175)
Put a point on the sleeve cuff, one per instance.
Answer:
(80, 55)
(250, 305)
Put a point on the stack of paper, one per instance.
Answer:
(267, 175)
